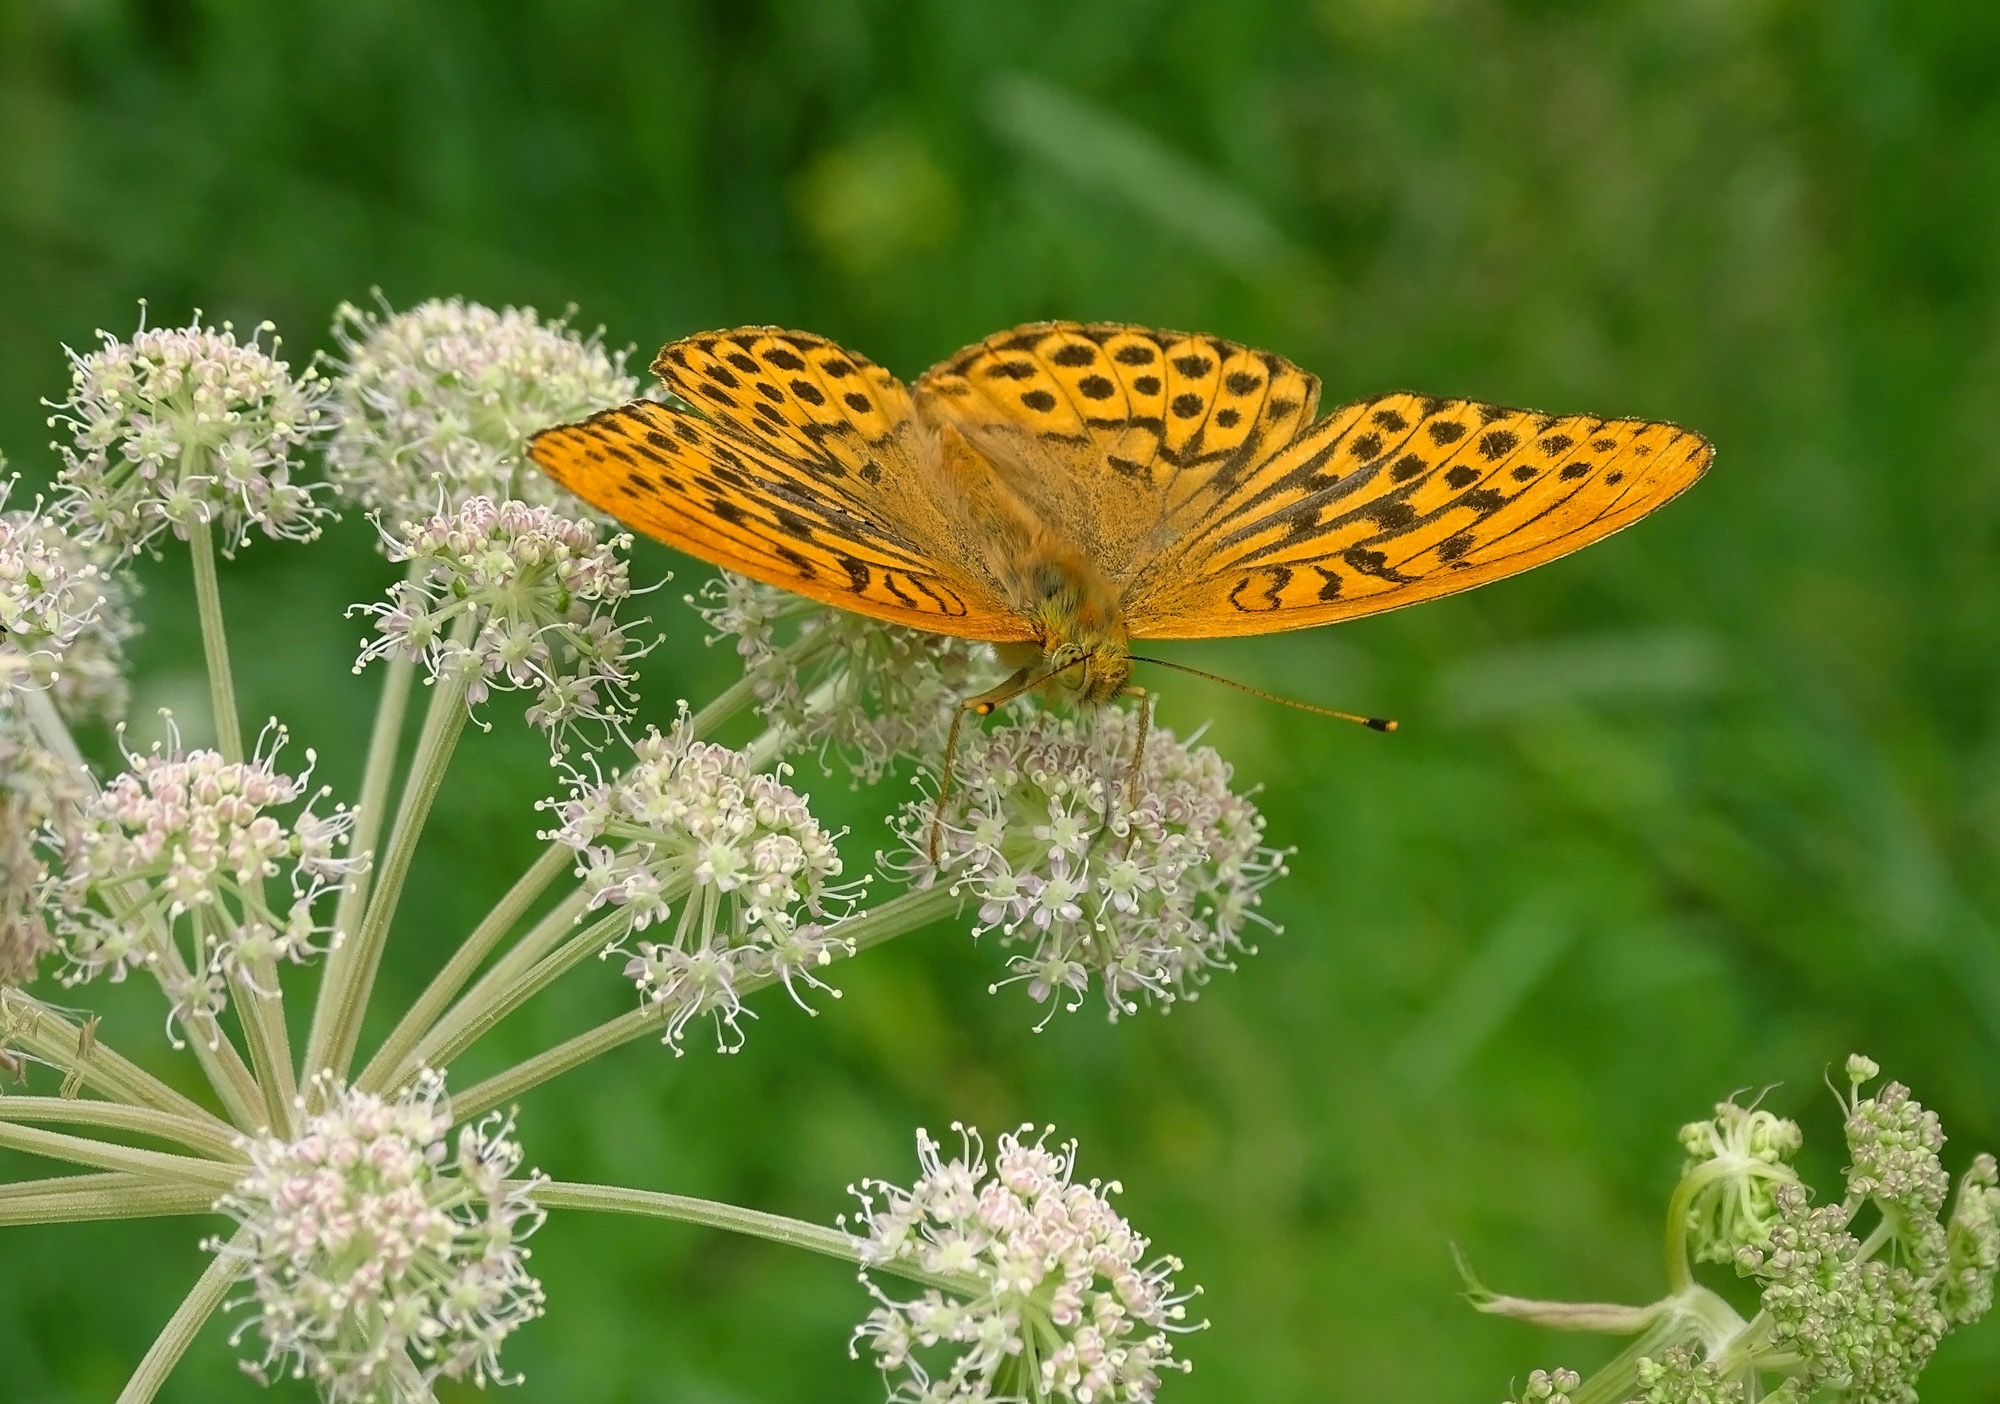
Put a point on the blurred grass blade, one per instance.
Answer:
(1101, 151)
(1664, 665)
(1494, 983)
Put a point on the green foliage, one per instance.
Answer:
(1688, 811)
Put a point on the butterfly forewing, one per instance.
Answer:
(1401, 499)
(755, 500)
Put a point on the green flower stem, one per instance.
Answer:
(331, 1047)
(27, 1022)
(1680, 1271)
(214, 643)
(794, 657)
(70, 1199)
(754, 1223)
(227, 1073)
(912, 910)
(437, 997)
(442, 1051)
(263, 1021)
(519, 959)
(179, 1332)
(203, 1136)
(727, 703)
(183, 1170)
(384, 744)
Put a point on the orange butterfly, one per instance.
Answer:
(1064, 488)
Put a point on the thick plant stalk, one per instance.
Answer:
(185, 1170)
(444, 987)
(179, 1332)
(352, 973)
(201, 1136)
(477, 1023)
(73, 1199)
(48, 1035)
(214, 643)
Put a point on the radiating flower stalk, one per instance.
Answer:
(1854, 1294)
(380, 1207)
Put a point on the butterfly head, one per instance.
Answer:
(1089, 674)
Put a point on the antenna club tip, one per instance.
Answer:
(1381, 724)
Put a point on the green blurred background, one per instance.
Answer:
(1704, 808)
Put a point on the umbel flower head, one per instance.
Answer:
(438, 401)
(724, 868)
(63, 619)
(1737, 1160)
(185, 425)
(184, 841)
(1149, 897)
(378, 1257)
(1051, 1294)
(1855, 1294)
(516, 598)
(841, 684)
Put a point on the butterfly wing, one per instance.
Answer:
(798, 464)
(1397, 500)
(1109, 431)
(1191, 471)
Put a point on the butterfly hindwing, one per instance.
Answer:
(1401, 499)
(1106, 428)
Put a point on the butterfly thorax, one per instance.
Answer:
(1083, 642)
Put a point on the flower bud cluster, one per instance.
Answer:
(516, 598)
(185, 425)
(184, 840)
(378, 1258)
(1738, 1159)
(1863, 1325)
(1549, 1386)
(432, 406)
(63, 619)
(1051, 1295)
(1679, 1376)
(691, 826)
(1151, 896)
(842, 684)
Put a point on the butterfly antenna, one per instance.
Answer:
(1372, 723)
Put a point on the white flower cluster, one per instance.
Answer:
(183, 425)
(1051, 1295)
(1738, 1158)
(843, 683)
(432, 405)
(1038, 831)
(379, 1260)
(63, 619)
(514, 597)
(691, 824)
(39, 797)
(185, 839)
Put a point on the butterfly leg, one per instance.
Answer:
(1138, 762)
(982, 705)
